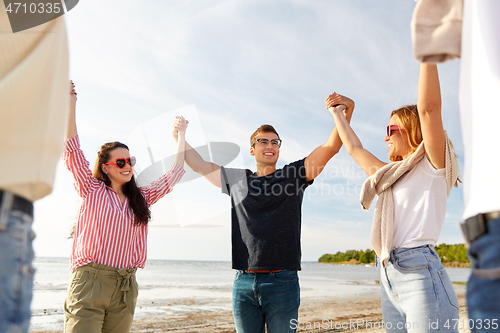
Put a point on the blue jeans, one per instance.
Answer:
(16, 270)
(261, 299)
(483, 289)
(417, 294)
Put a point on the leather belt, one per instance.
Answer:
(18, 203)
(265, 271)
(476, 226)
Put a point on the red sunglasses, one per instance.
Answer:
(390, 129)
(120, 162)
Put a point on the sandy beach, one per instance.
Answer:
(347, 314)
(334, 298)
(355, 314)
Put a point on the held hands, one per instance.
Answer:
(71, 130)
(334, 100)
(72, 95)
(179, 127)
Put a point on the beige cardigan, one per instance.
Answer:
(381, 183)
(34, 97)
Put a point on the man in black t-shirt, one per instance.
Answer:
(265, 225)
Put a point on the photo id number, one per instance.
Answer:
(472, 324)
(33, 8)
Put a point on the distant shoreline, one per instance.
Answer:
(356, 262)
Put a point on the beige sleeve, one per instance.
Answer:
(436, 30)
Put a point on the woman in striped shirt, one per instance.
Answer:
(110, 234)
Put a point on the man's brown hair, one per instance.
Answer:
(263, 129)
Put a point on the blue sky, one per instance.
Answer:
(230, 66)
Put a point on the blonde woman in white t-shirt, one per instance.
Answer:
(417, 294)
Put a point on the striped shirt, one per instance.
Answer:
(104, 231)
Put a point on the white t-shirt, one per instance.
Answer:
(419, 206)
(479, 107)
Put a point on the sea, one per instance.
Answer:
(170, 288)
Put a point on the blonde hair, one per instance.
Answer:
(409, 119)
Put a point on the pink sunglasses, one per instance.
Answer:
(390, 129)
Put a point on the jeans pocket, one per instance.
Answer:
(237, 275)
(412, 262)
(286, 276)
(483, 254)
(448, 287)
(433, 257)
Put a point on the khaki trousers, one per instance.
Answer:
(100, 298)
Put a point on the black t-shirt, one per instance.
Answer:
(266, 216)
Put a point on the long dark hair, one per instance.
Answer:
(136, 200)
(141, 211)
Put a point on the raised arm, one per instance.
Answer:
(316, 161)
(73, 156)
(71, 131)
(209, 170)
(165, 184)
(429, 111)
(366, 160)
(180, 125)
